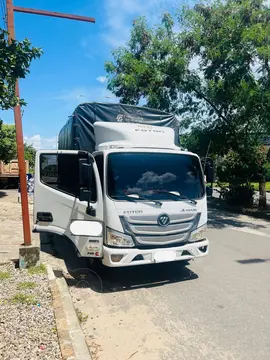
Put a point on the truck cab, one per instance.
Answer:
(138, 199)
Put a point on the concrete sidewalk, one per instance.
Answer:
(11, 230)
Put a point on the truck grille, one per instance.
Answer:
(162, 240)
(147, 231)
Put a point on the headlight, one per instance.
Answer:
(115, 238)
(198, 234)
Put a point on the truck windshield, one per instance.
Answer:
(154, 176)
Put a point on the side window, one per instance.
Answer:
(61, 172)
(100, 164)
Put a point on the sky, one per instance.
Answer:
(71, 70)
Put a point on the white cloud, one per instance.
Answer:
(101, 79)
(40, 142)
(75, 95)
(119, 15)
(78, 95)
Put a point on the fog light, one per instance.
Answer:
(203, 249)
(116, 258)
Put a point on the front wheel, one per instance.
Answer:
(97, 266)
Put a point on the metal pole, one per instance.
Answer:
(19, 139)
(17, 109)
(54, 14)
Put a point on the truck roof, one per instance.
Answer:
(78, 133)
(113, 135)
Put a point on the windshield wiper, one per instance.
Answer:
(134, 197)
(177, 196)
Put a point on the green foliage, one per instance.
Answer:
(25, 285)
(39, 269)
(30, 154)
(227, 91)
(8, 147)
(231, 42)
(151, 66)
(23, 299)
(256, 186)
(14, 64)
(242, 167)
(82, 317)
(239, 169)
(4, 275)
(240, 195)
(7, 142)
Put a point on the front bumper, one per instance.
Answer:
(132, 257)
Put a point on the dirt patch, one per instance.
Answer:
(120, 332)
(11, 236)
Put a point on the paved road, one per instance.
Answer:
(215, 308)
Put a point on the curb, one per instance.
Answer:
(239, 211)
(70, 334)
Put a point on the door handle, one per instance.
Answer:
(44, 217)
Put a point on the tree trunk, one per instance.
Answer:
(262, 191)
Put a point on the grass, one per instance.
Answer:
(23, 299)
(4, 275)
(39, 269)
(255, 184)
(26, 285)
(81, 316)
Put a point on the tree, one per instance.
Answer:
(14, 64)
(226, 95)
(30, 154)
(7, 142)
(150, 67)
(8, 148)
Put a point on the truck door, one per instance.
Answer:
(68, 199)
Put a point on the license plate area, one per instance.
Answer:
(164, 256)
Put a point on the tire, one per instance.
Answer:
(97, 266)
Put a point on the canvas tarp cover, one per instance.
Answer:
(78, 132)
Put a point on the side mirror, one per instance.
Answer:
(209, 173)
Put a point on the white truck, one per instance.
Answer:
(137, 199)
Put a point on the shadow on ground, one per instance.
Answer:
(106, 280)
(2, 194)
(252, 261)
(220, 206)
(223, 219)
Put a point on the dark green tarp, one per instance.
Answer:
(78, 132)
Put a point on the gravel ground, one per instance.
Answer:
(27, 323)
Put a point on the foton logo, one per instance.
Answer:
(163, 220)
(128, 118)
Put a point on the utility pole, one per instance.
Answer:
(17, 109)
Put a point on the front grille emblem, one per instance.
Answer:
(163, 220)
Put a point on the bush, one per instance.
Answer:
(238, 170)
(240, 194)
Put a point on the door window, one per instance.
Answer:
(61, 172)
